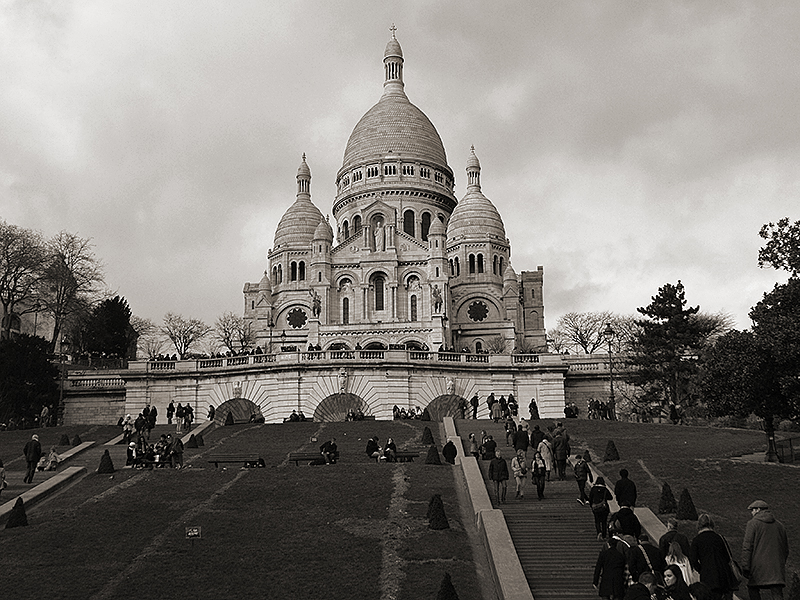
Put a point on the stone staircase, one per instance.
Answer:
(554, 538)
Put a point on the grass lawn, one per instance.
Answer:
(346, 531)
(698, 459)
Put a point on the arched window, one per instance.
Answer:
(293, 271)
(378, 283)
(408, 222)
(275, 275)
(346, 229)
(494, 265)
(437, 271)
(471, 264)
(252, 304)
(280, 273)
(501, 266)
(480, 263)
(345, 311)
(458, 267)
(426, 225)
(356, 224)
(414, 307)
(302, 271)
(478, 347)
(452, 272)
(319, 277)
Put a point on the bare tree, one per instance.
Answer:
(585, 330)
(496, 345)
(71, 278)
(183, 332)
(233, 332)
(559, 341)
(22, 254)
(151, 341)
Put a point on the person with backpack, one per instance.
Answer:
(599, 495)
(519, 468)
(582, 473)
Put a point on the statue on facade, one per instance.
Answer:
(342, 381)
(237, 389)
(316, 303)
(451, 386)
(436, 294)
(379, 237)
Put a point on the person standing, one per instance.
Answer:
(521, 440)
(519, 468)
(625, 490)
(609, 572)
(449, 451)
(170, 412)
(539, 473)
(179, 413)
(673, 535)
(32, 452)
(44, 417)
(545, 449)
(474, 402)
(560, 452)
(599, 495)
(582, 473)
(498, 472)
(176, 451)
(764, 552)
(709, 556)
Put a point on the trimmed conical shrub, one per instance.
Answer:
(433, 457)
(586, 456)
(76, 441)
(667, 502)
(199, 439)
(192, 443)
(446, 590)
(427, 436)
(106, 464)
(436, 517)
(64, 441)
(17, 516)
(229, 419)
(686, 510)
(611, 452)
(426, 416)
(794, 592)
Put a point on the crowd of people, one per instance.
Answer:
(413, 412)
(167, 451)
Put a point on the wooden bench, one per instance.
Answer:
(247, 460)
(308, 457)
(402, 456)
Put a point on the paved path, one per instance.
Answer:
(554, 538)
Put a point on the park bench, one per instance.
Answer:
(307, 457)
(403, 456)
(246, 460)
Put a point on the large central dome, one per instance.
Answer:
(394, 127)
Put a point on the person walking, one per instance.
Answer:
(599, 495)
(539, 473)
(474, 402)
(625, 490)
(709, 556)
(519, 469)
(582, 473)
(764, 552)
(521, 440)
(545, 449)
(32, 452)
(673, 535)
(609, 572)
(498, 472)
(560, 452)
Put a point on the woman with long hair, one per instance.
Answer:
(675, 584)
(599, 495)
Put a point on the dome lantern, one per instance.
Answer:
(393, 66)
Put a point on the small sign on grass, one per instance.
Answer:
(194, 533)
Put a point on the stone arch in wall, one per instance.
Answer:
(335, 407)
(242, 410)
(445, 405)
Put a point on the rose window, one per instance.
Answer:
(296, 318)
(478, 311)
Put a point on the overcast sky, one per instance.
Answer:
(625, 144)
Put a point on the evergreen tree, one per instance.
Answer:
(106, 464)
(446, 590)
(611, 452)
(686, 510)
(27, 378)
(663, 364)
(427, 436)
(17, 517)
(108, 329)
(667, 502)
(433, 457)
(437, 519)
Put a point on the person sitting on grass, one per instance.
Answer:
(162, 450)
(52, 460)
(390, 451)
(373, 449)
(328, 451)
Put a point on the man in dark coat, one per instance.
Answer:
(609, 572)
(764, 552)
(474, 402)
(560, 453)
(329, 451)
(645, 558)
(498, 472)
(449, 452)
(709, 556)
(537, 435)
(489, 448)
(625, 490)
(521, 439)
(626, 522)
(32, 452)
(644, 590)
(673, 535)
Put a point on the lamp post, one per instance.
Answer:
(271, 325)
(608, 334)
(283, 339)
(59, 416)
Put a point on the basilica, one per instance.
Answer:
(404, 264)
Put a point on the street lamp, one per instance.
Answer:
(271, 325)
(608, 335)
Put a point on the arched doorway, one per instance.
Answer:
(241, 409)
(445, 405)
(335, 407)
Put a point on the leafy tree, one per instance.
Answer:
(663, 362)
(108, 329)
(233, 332)
(27, 378)
(22, 254)
(782, 250)
(70, 279)
(183, 332)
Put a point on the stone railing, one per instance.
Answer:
(98, 382)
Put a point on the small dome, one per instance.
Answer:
(509, 275)
(393, 49)
(475, 217)
(437, 227)
(303, 170)
(298, 224)
(472, 161)
(323, 231)
(265, 284)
